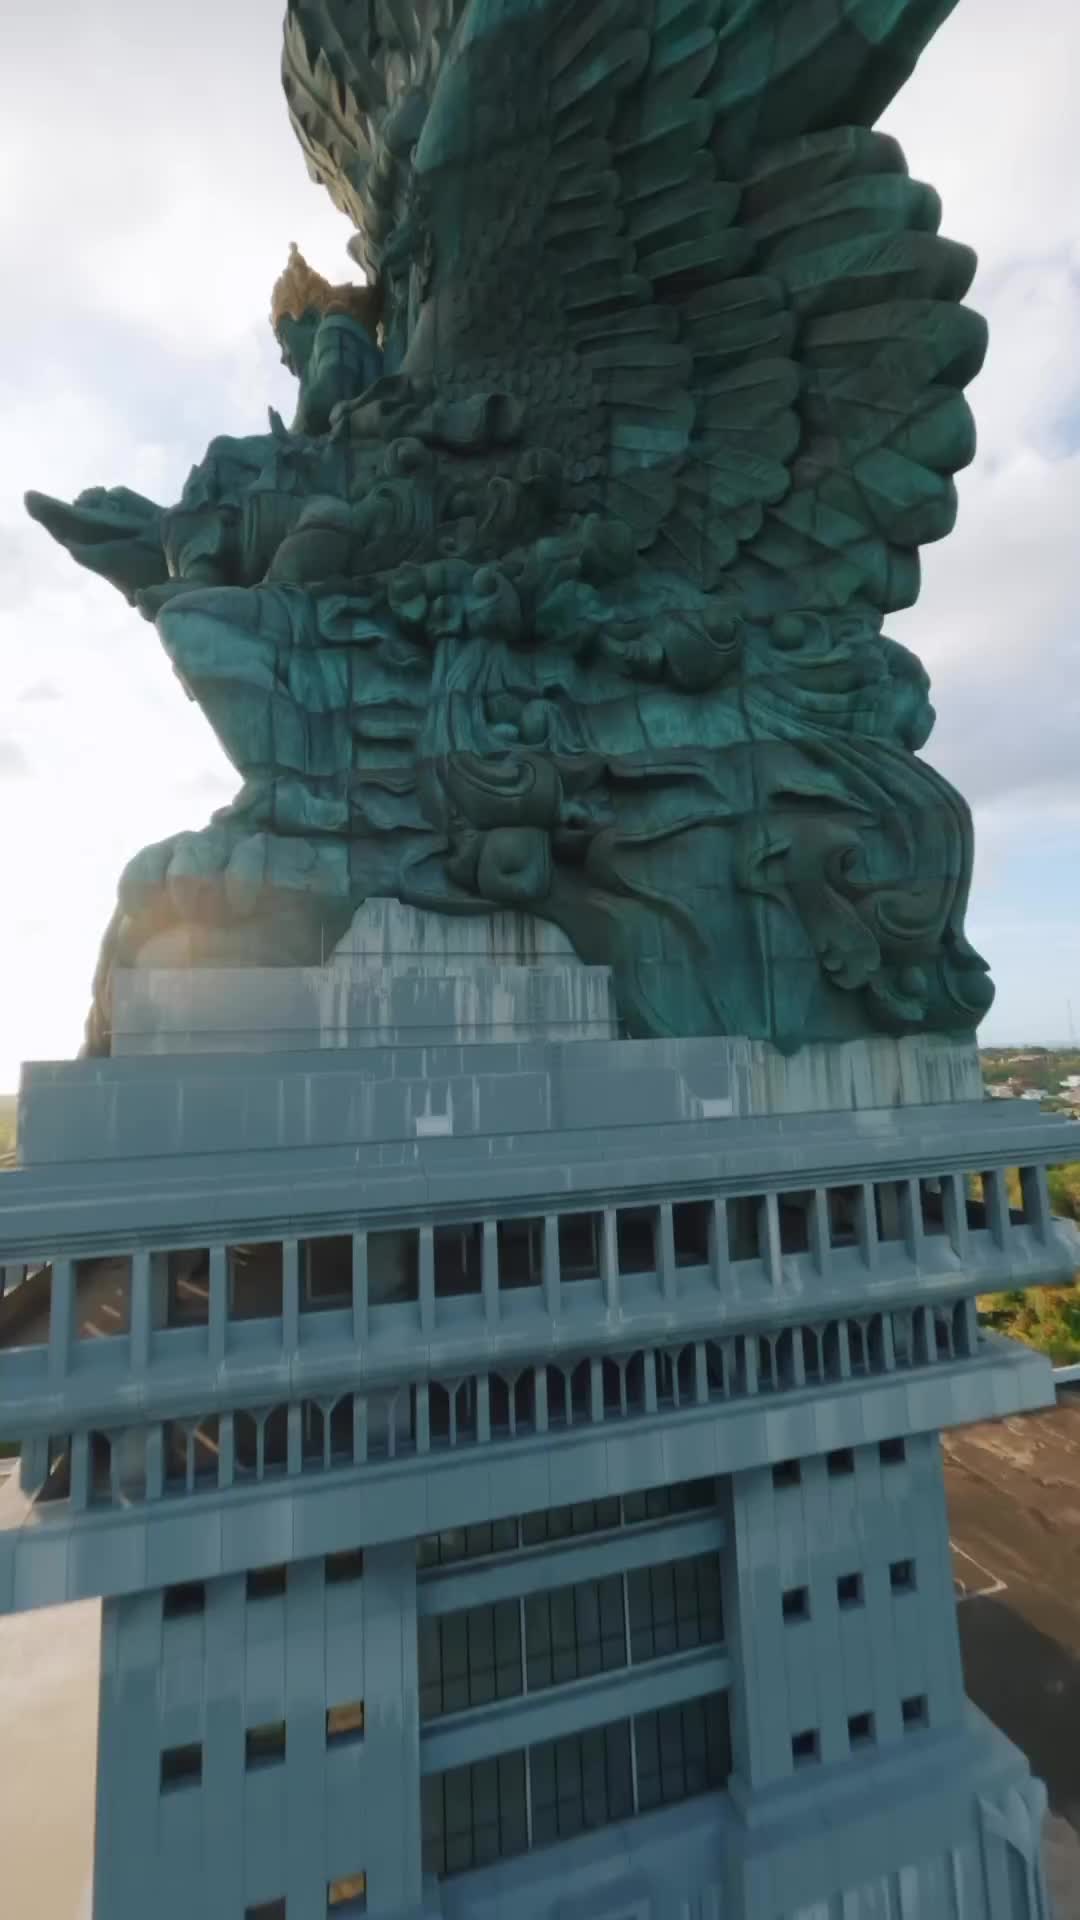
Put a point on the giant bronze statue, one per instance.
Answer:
(565, 588)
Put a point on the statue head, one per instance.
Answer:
(300, 301)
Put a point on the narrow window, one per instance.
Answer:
(58, 1480)
(181, 1766)
(348, 1895)
(889, 1202)
(690, 1223)
(636, 1236)
(459, 1253)
(914, 1712)
(326, 1271)
(743, 1221)
(795, 1210)
(187, 1282)
(344, 1566)
(579, 1246)
(255, 1281)
(860, 1729)
(102, 1298)
(521, 1253)
(682, 1751)
(806, 1747)
(849, 1590)
(345, 1722)
(393, 1267)
(265, 1744)
(932, 1205)
(264, 1582)
(187, 1598)
(843, 1204)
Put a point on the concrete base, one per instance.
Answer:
(400, 977)
(405, 978)
(220, 1101)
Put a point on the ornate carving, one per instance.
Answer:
(568, 591)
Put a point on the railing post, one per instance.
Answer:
(669, 1281)
(609, 1259)
(427, 1279)
(290, 1295)
(61, 1318)
(996, 1201)
(140, 1310)
(911, 1219)
(360, 1288)
(552, 1266)
(818, 1232)
(1036, 1197)
(489, 1271)
(218, 1305)
(719, 1250)
(769, 1238)
(866, 1224)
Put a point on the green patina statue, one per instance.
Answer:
(564, 590)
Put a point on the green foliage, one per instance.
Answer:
(995, 1072)
(1042, 1068)
(1064, 1184)
(1046, 1318)
(7, 1126)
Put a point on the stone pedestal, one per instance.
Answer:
(399, 978)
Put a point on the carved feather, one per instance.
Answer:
(751, 344)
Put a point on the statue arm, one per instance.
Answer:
(112, 531)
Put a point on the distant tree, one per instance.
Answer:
(1064, 1185)
(1046, 1318)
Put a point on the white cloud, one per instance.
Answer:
(14, 764)
(160, 178)
(989, 118)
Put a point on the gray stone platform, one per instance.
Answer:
(399, 977)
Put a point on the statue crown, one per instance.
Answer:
(299, 290)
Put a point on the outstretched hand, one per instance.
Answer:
(111, 530)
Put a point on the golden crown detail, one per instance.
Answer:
(299, 290)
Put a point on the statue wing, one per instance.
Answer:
(669, 228)
(358, 77)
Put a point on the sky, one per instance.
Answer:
(150, 185)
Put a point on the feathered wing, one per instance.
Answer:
(358, 76)
(668, 226)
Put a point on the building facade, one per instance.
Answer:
(511, 1471)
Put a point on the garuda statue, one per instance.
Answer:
(564, 590)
